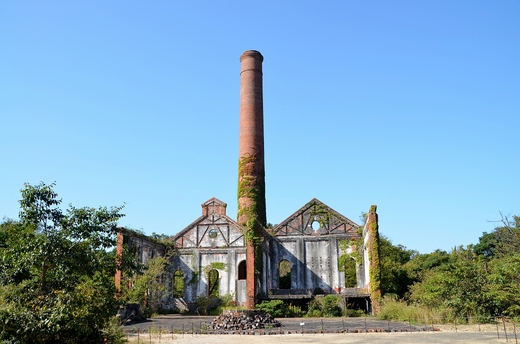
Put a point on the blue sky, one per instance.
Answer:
(410, 105)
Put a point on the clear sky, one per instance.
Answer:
(410, 105)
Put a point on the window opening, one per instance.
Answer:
(242, 270)
(213, 283)
(178, 284)
(284, 275)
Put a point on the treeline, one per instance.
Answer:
(480, 280)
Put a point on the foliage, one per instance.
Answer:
(394, 276)
(213, 283)
(284, 275)
(326, 306)
(203, 304)
(178, 284)
(251, 187)
(457, 285)
(393, 309)
(56, 277)
(276, 308)
(503, 241)
(113, 333)
(222, 303)
(348, 265)
(354, 313)
(503, 285)
(347, 261)
(474, 281)
(147, 286)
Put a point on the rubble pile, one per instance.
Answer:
(242, 320)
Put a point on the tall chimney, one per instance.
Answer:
(251, 173)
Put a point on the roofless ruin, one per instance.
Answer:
(292, 261)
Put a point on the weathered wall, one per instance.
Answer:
(314, 264)
(195, 265)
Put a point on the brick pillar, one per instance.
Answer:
(374, 259)
(251, 173)
(119, 259)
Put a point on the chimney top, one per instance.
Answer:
(253, 54)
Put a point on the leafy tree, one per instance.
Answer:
(422, 264)
(487, 245)
(56, 277)
(457, 285)
(147, 286)
(394, 276)
(504, 240)
(503, 285)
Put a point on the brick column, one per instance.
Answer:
(251, 173)
(119, 260)
(374, 259)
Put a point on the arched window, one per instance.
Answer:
(284, 275)
(178, 284)
(213, 283)
(242, 270)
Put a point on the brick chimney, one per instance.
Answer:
(251, 171)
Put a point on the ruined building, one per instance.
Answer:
(303, 255)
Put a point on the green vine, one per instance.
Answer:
(375, 264)
(214, 266)
(252, 187)
(320, 214)
(194, 277)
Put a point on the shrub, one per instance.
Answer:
(355, 313)
(274, 307)
(326, 306)
(330, 306)
(203, 304)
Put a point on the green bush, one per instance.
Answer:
(203, 303)
(326, 306)
(294, 311)
(276, 308)
(330, 306)
(355, 313)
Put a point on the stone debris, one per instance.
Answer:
(243, 320)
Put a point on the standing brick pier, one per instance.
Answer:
(251, 172)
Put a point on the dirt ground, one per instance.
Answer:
(188, 329)
(377, 338)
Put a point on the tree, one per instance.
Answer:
(503, 285)
(457, 285)
(395, 278)
(147, 285)
(56, 277)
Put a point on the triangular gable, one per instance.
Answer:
(214, 229)
(315, 219)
